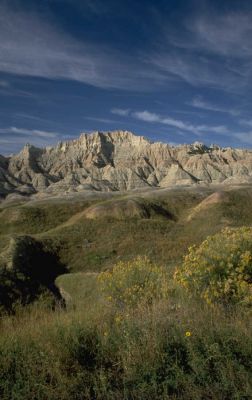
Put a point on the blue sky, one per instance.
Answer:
(173, 71)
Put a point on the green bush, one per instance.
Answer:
(130, 283)
(220, 269)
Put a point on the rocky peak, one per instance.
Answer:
(120, 160)
(199, 148)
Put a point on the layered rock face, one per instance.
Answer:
(119, 161)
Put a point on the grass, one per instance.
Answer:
(78, 289)
(86, 354)
(84, 351)
(32, 219)
(164, 241)
(93, 245)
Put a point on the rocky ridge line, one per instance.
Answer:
(119, 161)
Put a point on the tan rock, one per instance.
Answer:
(119, 161)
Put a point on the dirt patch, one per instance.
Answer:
(214, 198)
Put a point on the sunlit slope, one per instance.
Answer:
(91, 235)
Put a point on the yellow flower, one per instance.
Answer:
(105, 334)
(188, 333)
(118, 319)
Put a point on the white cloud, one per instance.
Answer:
(184, 126)
(208, 48)
(120, 111)
(30, 117)
(198, 102)
(12, 139)
(103, 120)
(213, 51)
(221, 129)
(198, 70)
(245, 122)
(28, 132)
(229, 34)
(146, 116)
(244, 137)
(31, 46)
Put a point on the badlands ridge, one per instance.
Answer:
(119, 161)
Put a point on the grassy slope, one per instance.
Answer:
(84, 245)
(91, 245)
(32, 219)
(82, 353)
(79, 289)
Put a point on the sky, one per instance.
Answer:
(175, 71)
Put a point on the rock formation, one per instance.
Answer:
(119, 161)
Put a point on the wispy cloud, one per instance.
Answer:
(12, 139)
(120, 111)
(7, 89)
(227, 34)
(147, 116)
(208, 48)
(199, 130)
(30, 117)
(28, 132)
(247, 122)
(103, 120)
(198, 102)
(31, 46)
(184, 126)
(4, 84)
(243, 137)
(198, 70)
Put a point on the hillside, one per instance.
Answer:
(119, 161)
(90, 233)
(60, 336)
(54, 251)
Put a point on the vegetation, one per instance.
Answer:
(129, 284)
(220, 269)
(175, 348)
(28, 271)
(31, 219)
(128, 330)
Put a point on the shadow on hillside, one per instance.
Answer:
(159, 210)
(32, 273)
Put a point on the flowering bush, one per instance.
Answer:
(220, 269)
(129, 283)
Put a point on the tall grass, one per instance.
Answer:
(173, 349)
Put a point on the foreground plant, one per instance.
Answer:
(130, 283)
(220, 269)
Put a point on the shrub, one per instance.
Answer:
(129, 283)
(220, 269)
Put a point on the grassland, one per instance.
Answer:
(85, 353)
(80, 351)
